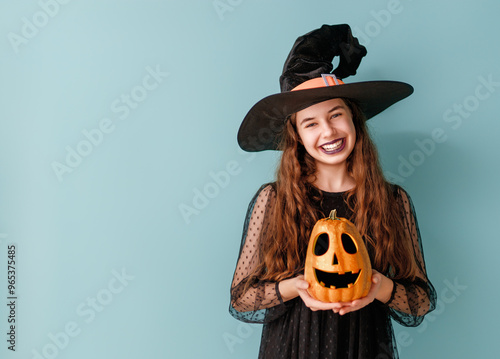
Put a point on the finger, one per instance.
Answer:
(323, 305)
(311, 303)
(345, 310)
(353, 306)
(336, 307)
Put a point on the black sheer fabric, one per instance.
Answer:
(291, 330)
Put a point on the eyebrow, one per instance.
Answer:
(312, 118)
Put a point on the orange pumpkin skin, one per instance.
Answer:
(337, 265)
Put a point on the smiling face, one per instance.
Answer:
(327, 132)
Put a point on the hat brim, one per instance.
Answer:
(262, 126)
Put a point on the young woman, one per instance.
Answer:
(328, 162)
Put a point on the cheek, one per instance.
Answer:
(349, 126)
(353, 137)
(305, 138)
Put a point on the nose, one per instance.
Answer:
(328, 129)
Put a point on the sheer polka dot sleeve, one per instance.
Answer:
(256, 301)
(412, 299)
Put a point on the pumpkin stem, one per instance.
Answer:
(333, 214)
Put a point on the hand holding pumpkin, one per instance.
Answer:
(381, 289)
(301, 286)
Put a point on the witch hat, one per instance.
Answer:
(307, 79)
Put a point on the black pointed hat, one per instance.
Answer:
(308, 79)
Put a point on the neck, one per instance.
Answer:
(333, 179)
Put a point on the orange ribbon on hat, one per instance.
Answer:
(325, 80)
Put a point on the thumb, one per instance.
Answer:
(302, 284)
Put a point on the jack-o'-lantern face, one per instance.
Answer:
(337, 266)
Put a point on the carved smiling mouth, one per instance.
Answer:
(336, 280)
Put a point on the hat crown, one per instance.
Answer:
(312, 55)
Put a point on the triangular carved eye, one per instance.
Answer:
(322, 244)
(348, 244)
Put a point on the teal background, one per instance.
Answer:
(119, 210)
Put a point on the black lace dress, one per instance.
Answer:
(291, 330)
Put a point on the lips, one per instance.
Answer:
(333, 146)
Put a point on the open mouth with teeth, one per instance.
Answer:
(333, 146)
(336, 280)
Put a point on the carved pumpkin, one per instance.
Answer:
(337, 266)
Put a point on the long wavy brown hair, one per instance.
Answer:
(372, 202)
